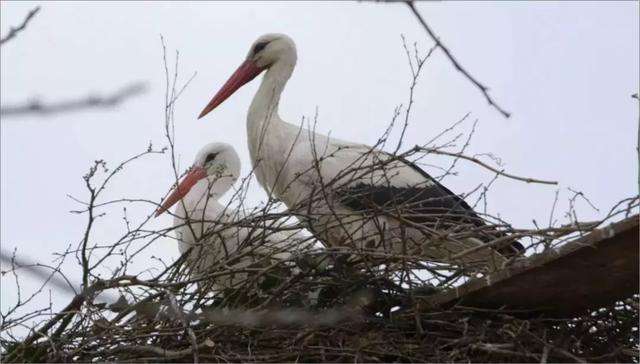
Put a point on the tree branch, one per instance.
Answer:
(91, 101)
(455, 63)
(479, 162)
(37, 269)
(14, 31)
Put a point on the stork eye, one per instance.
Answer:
(210, 157)
(260, 46)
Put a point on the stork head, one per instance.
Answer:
(266, 51)
(271, 48)
(216, 164)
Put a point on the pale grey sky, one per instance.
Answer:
(565, 70)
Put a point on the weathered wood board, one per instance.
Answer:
(589, 272)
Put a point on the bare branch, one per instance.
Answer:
(37, 107)
(483, 89)
(15, 30)
(479, 162)
(37, 270)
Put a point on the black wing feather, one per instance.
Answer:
(434, 206)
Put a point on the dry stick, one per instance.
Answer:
(67, 314)
(14, 31)
(92, 101)
(171, 97)
(85, 240)
(180, 314)
(71, 307)
(553, 348)
(588, 227)
(35, 269)
(462, 150)
(415, 73)
(164, 353)
(479, 162)
(455, 63)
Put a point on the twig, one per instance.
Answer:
(36, 269)
(91, 220)
(92, 101)
(581, 194)
(477, 161)
(553, 209)
(455, 63)
(14, 31)
(164, 353)
(415, 75)
(72, 306)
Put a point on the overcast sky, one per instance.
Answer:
(566, 71)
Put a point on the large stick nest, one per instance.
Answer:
(339, 313)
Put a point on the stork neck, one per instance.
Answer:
(205, 193)
(263, 112)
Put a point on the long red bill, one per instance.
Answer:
(183, 188)
(247, 71)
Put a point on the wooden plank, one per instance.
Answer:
(590, 272)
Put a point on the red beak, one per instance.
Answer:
(247, 71)
(183, 188)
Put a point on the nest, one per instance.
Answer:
(311, 305)
(340, 312)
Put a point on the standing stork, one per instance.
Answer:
(211, 230)
(353, 195)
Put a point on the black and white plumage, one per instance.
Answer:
(434, 206)
(353, 195)
(209, 230)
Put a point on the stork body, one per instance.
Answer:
(354, 195)
(209, 228)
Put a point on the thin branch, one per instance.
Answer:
(72, 306)
(483, 89)
(479, 162)
(37, 270)
(89, 102)
(160, 352)
(14, 31)
(415, 74)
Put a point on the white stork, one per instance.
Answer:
(354, 195)
(211, 228)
